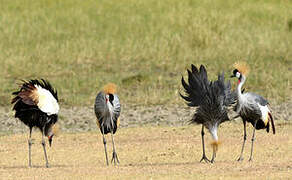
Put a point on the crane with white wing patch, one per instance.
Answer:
(36, 105)
(251, 107)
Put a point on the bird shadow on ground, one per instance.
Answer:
(33, 167)
(159, 164)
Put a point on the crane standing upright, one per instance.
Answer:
(36, 105)
(251, 107)
(107, 110)
(212, 100)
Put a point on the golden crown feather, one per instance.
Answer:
(110, 88)
(242, 67)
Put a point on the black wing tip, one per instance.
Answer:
(202, 68)
(189, 72)
(194, 68)
(182, 96)
(196, 86)
(41, 82)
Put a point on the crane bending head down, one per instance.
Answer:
(212, 99)
(36, 105)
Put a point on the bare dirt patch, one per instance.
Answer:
(150, 152)
(82, 119)
(152, 142)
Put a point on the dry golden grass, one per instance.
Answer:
(151, 153)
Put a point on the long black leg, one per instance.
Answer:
(115, 156)
(44, 147)
(104, 143)
(252, 140)
(244, 139)
(29, 147)
(203, 144)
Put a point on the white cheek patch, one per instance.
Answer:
(238, 74)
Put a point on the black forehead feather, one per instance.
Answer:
(235, 71)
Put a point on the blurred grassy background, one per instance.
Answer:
(144, 46)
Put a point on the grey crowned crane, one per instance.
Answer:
(251, 107)
(107, 110)
(212, 100)
(36, 105)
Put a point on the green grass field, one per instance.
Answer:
(144, 46)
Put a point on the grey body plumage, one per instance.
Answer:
(251, 108)
(257, 98)
(212, 100)
(106, 115)
(107, 109)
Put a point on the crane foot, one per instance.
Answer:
(205, 159)
(240, 159)
(115, 158)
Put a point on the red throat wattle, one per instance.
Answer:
(238, 81)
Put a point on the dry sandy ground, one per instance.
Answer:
(149, 152)
(153, 142)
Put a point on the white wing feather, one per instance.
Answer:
(265, 113)
(46, 101)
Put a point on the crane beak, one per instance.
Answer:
(50, 140)
(232, 76)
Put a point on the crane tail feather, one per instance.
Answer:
(268, 127)
(272, 122)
